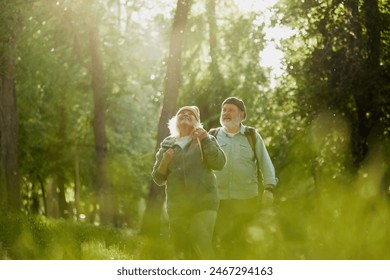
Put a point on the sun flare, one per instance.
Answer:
(271, 56)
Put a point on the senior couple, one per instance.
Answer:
(211, 179)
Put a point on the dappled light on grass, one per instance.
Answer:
(96, 250)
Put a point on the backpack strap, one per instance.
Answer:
(250, 133)
(214, 131)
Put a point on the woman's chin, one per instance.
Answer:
(185, 124)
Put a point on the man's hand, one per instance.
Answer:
(267, 199)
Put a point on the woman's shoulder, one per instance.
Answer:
(168, 142)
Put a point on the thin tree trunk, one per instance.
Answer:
(212, 20)
(77, 184)
(151, 221)
(44, 196)
(52, 199)
(366, 103)
(215, 91)
(172, 78)
(9, 176)
(96, 68)
(209, 104)
(373, 25)
(62, 204)
(61, 180)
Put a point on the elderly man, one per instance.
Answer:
(237, 183)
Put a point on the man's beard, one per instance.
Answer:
(230, 124)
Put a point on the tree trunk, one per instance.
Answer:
(368, 115)
(52, 199)
(212, 20)
(61, 180)
(373, 25)
(44, 196)
(96, 69)
(77, 187)
(62, 204)
(151, 221)
(9, 176)
(209, 103)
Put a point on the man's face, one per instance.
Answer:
(231, 116)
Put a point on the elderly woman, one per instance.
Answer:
(184, 164)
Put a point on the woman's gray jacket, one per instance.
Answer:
(190, 181)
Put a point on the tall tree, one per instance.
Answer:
(151, 222)
(11, 26)
(104, 191)
(369, 99)
(209, 102)
(63, 206)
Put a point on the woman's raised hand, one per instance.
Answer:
(168, 156)
(199, 133)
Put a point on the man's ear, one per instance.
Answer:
(242, 115)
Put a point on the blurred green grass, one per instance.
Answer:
(25, 237)
(331, 225)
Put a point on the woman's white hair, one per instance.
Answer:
(174, 129)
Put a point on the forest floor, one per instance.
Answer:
(289, 236)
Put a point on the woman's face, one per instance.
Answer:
(186, 118)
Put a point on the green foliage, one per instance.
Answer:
(55, 100)
(338, 62)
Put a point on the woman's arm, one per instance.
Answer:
(214, 156)
(160, 169)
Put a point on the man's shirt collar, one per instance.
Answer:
(241, 131)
